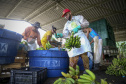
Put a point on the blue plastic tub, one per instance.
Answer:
(9, 42)
(55, 61)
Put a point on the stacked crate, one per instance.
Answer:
(20, 61)
(105, 31)
(28, 75)
(21, 57)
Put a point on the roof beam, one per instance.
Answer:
(105, 16)
(79, 2)
(48, 8)
(56, 20)
(94, 5)
(91, 4)
(121, 39)
(120, 35)
(13, 9)
(118, 32)
(35, 10)
(119, 29)
(119, 25)
(61, 5)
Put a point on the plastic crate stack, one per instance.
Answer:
(28, 75)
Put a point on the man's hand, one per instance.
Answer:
(75, 30)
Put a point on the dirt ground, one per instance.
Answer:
(99, 75)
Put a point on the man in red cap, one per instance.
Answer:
(75, 24)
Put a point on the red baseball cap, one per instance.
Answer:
(65, 11)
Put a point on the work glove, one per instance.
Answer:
(58, 35)
(75, 30)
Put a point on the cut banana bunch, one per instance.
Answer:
(73, 42)
(87, 79)
(67, 75)
(74, 72)
(77, 70)
(103, 81)
(118, 67)
(48, 45)
(64, 81)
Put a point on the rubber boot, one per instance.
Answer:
(96, 66)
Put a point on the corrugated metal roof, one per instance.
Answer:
(48, 12)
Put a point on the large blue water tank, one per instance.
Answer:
(55, 61)
(9, 42)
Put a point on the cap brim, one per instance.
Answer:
(34, 25)
(63, 15)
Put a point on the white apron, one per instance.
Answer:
(85, 45)
(97, 49)
(32, 45)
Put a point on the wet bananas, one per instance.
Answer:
(103, 81)
(73, 71)
(87, 79)
(64, 81)
(118, 67)
(41, 48)
(67, 75)
(48, 45)
(91, 74)
(73, 42)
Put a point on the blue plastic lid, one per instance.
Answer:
(4, 33)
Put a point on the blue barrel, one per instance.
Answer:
(55, 61)
(9, 42)
(80, 63)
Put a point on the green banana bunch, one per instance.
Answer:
(24, 42)
(77, 70)
(64, 81)
(91, 74)
(72, 71)
(70, 81)
(41, 48)
(87, 79)
(58, 81)
(67, 75)
(48, 45)
(118, 67)
(103, 81)
(73, 42)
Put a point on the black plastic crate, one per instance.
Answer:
(28, 75)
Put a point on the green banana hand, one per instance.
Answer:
(86, 77)
(83, 81)
(77, 67)
(72, 69)
(72, 80)
(57, 81)
(91, 74)
(72, 73)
